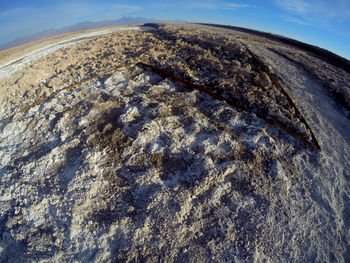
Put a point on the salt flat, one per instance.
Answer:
(135, 166)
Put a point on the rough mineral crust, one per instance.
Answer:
(219, 62)
(134, 167)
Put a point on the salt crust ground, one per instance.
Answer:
(219, 62)
(134, 167)
(11, 67)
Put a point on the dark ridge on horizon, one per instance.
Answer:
(324, 54)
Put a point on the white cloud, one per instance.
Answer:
(234, 5)
(317, 9)
(84, 10)
(332, 16)
(298, 6)
(299, 21)
(205, 4)
(13, 12)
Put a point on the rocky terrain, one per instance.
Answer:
(174, 143)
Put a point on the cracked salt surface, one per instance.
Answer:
(83, 152)
(150, 161)
(136, 167)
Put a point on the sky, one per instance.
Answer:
(325, 23)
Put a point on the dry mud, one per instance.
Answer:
(134, 167)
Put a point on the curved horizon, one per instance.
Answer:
(322, 23)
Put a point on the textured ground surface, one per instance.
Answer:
(135, 167)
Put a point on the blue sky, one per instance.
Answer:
(325, 23)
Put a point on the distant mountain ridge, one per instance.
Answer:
(79, 26)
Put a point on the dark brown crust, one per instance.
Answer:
(277, 84)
